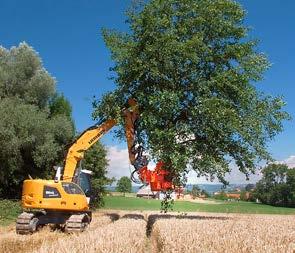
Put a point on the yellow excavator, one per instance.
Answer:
(64, 201)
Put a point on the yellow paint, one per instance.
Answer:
(32, 197)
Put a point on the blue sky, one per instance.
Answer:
(67, 36)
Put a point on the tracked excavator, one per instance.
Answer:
(64, 201)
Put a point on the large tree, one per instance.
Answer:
(192, 68)
(33, 134)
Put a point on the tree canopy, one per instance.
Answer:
(192, 68)
(124, 185)
(277, 186)
(32, 135)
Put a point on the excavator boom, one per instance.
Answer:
(76, 151)
(158, 179)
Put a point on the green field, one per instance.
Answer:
(125, 203)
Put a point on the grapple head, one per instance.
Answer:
(159, 178)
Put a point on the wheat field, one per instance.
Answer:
(141, 232)
(226, 234)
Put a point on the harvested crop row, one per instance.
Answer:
(238, 234)
(11, 242)
(124, 235)
(99, 220)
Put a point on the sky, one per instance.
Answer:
(67, 36)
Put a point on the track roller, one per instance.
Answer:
(26, 223)
(77, 223)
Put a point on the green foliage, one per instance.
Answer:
(167, 202)
(221, 196)
(59, 105)
(32, 138)
(277, 186)
(95, 160)
(124, 185)
(196, 191)
(205, 193)
(22, 75)
(9, 211)
(192, 69)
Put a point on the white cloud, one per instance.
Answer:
(237, 177)
(234, 177)
(192, 178)
(290, 161)
(118, 162)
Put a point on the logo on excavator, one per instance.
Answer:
(95, 137)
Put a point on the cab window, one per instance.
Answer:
(72, 188)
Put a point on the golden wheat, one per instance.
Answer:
(124, 235)
(193, 232)
(252, 233)
(11, 242)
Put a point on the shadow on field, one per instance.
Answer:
(133, 216)
(113, 216)
(154, 217)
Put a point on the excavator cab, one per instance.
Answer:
(83, 180)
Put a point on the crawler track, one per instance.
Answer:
(77, 223)
(26, 223)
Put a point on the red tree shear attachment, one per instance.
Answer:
(158, 178)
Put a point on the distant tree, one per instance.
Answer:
(96, 161)
(112, 180)
(196, 191)
(291, 185)
(205, 193)
(124, 185)
(277, 186)
(249, 187)
(32, 139)
(193, 67)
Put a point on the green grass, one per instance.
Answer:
(9, 210)
(124, 203)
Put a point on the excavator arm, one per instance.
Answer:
(158, 178)
(92, 134)
(77, 149)
(131, 116)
